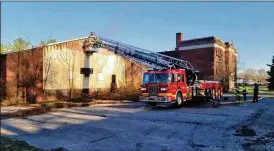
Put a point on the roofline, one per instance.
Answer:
(66, 41)
(216, 39)
(51, 44)
(18, 51)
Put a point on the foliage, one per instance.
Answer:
(44, 43)
(248, 75)
(261, 76)
(18, 44)
(271, 75)
(2, 48)
(97, 43)
(21, 44)
(122, 93)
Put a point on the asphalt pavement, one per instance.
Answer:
(138, 127)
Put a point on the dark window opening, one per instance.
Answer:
(113, 78)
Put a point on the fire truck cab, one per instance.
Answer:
(176, 86)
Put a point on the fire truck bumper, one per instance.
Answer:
(156, 99)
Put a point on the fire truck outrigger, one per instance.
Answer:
(171, 80)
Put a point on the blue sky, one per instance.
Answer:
(149, 25)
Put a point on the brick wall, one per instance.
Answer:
(201, 59)
(24, 74)
(2, 76)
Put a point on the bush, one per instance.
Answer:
(122, 93)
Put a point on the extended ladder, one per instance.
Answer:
(152, 59)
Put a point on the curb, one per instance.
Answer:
(38, 109)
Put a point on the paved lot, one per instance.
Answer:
(136, 127)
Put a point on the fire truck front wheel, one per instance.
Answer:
(152, 103)
(179, 99)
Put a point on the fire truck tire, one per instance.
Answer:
(179, 99)
(152, 103)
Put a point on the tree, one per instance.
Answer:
(21, 44)
(48, 72)
(261, 76)
(67, 58)
(2, 48)
(271, 75)
(251, 74)
(44, 43)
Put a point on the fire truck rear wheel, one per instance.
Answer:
(179, 99)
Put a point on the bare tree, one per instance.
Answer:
(225, 71)
(261, 76)
(48, 71)
(67, 58)
(2, 89)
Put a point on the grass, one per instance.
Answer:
(8, 144)
(262, 90)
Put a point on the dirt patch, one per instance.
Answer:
(8, 144)
(245, 131)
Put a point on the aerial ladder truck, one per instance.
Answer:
(170, 80)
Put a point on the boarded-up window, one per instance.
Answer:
(100, 77)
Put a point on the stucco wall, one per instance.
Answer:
(104, 63)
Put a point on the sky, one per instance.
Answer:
(148, 25)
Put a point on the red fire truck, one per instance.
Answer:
(177, 86)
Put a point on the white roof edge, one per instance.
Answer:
(66, 41)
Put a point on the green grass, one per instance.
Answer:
(262, 90)
(8, 144)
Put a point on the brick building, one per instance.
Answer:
(214, 58)
(60, 66)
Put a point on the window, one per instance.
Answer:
(182, 78)
(174, 78)
(156, 78)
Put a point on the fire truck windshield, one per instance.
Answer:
(156, 78)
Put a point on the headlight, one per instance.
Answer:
(143, 89)
(164, 89)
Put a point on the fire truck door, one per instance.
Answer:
(189, 92)
(174, 83)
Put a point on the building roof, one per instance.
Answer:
(205, 40)
(56, 43)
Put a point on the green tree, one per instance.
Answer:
(271, 75)
(21, 44)
(2, 48)
(44, 43)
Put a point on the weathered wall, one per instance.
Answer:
(2, 76)
(24, 76)
(104, 63)
(57, 67)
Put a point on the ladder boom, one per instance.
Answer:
(152, 59)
